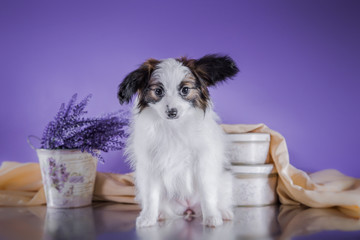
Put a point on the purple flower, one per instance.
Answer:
(70, 130)
(63, 174)
(52, 162)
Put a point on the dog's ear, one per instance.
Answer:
(215, 68)
(136, 80)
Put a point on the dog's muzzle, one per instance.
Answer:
(172, 113)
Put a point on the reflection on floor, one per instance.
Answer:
(117, 221)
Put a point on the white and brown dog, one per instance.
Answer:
(176, 146)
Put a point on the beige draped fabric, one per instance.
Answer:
(20, 183)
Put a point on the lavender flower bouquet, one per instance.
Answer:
(70, 148)
(70, 130)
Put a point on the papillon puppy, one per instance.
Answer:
(176, 147)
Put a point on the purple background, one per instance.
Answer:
(299, 63)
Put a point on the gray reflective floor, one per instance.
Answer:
(117, 221)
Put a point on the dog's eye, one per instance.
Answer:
(159, 92)
(184, 91)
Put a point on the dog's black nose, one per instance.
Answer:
(172, 113)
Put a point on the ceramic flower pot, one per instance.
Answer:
(68, 177)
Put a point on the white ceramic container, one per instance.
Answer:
(256, 222)
(68, 177)
(249, 148)
(254, 185)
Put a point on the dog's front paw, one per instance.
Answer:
(213, 221)
(145, 221)
(227, 214)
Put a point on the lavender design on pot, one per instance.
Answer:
(76, 179)
(58, 175)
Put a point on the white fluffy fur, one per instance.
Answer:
(178, 163)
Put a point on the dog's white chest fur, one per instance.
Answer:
(173, 151)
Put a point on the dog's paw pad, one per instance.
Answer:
(227, 214)
(213, 221)
(142, 221)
